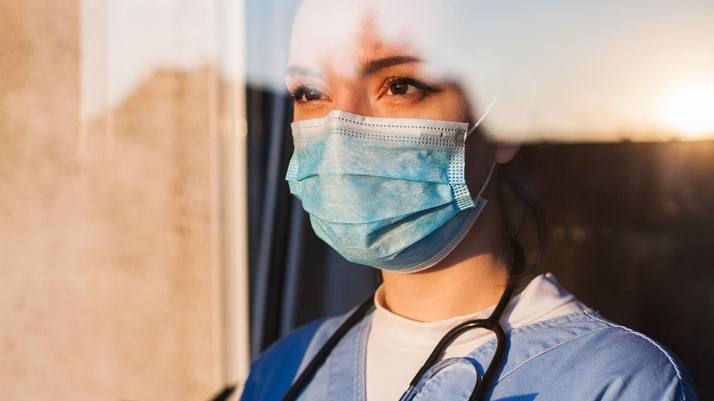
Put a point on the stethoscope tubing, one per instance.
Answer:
(492, 323)
(358, 314)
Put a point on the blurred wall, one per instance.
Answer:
(108, 271)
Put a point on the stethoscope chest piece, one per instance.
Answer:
(450, 379)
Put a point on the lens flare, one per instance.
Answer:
(689, 110)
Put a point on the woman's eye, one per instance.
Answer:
(401, 88)
(305, 94)
(408, 87)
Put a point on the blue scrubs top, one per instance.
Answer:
(580, 356)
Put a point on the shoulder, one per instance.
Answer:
(272, 373)
(638, 365)
(606, 361)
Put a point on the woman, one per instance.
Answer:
(394, 170)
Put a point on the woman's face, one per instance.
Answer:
(355, 69)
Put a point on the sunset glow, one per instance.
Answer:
(689, 110)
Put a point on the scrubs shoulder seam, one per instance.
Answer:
(557, 321)
(545, 351)
(682, 393)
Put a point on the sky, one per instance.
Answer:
(564, 71)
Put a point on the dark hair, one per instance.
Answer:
(524, 221)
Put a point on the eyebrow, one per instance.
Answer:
(369, 68)
(382, 63)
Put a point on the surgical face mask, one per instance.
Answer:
(387, 193)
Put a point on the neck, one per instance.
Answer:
(473, 277)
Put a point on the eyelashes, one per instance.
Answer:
(400, 86)
(396, 87)
(304, 94)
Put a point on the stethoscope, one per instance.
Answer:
(492, 323)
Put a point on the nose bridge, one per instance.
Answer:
(353, 98)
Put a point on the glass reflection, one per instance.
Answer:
(602, 71)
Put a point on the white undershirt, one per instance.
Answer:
(397, 346)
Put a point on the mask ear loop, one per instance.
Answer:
(488, 180)
(470, 131)
(483, 117)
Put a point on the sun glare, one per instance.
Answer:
(689, 110)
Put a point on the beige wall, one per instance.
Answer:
(108, 271)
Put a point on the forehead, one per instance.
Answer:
(344, 36)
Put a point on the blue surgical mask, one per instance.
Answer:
(383, 192)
